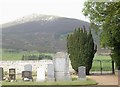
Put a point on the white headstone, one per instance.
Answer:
(50, 72)
(41, 73)
(82, 73)
(61, 66)
(28, 67)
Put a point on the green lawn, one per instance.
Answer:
(77, 82)
(105, 62)
(74, 81)
(97, 57)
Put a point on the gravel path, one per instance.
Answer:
(105, 79)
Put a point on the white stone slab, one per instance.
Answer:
(41, 73)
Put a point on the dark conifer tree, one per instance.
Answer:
(81, 48)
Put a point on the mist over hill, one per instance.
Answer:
(44, 33)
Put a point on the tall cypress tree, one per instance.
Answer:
(81, 48)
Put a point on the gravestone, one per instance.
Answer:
(28, 67)
(50, 72)
(27, 73)
(1, 73)
(119, 77)
(12, 74)
(61, 66)
(82, 73)
(41, 73)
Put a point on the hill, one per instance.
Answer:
(44, 33)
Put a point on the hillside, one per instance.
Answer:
(44, 33)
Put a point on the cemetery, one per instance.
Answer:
(56, 72)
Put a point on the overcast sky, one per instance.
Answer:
(14, 9)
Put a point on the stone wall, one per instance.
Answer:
(19, 65)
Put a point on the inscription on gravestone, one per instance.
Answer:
(82, 73)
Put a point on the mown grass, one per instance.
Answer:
(74, 81)
(98, 57)
(77, 82)
(105, 63)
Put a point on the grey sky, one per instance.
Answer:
(14, 9)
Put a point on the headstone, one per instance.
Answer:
(61, 66)
(82, 73)
(12, 74)
(119, 77)
(27, 75)
(50, 72)
(41, 73)
(1, 73)
(28, 67)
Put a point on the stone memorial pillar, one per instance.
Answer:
(61, 66)
(41, 73)
(50, 72)
(82, 73)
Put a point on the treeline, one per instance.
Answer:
(36, 57)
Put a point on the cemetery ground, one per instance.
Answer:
(91, 80)
(73, 82)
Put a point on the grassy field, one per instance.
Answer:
(18, 55)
